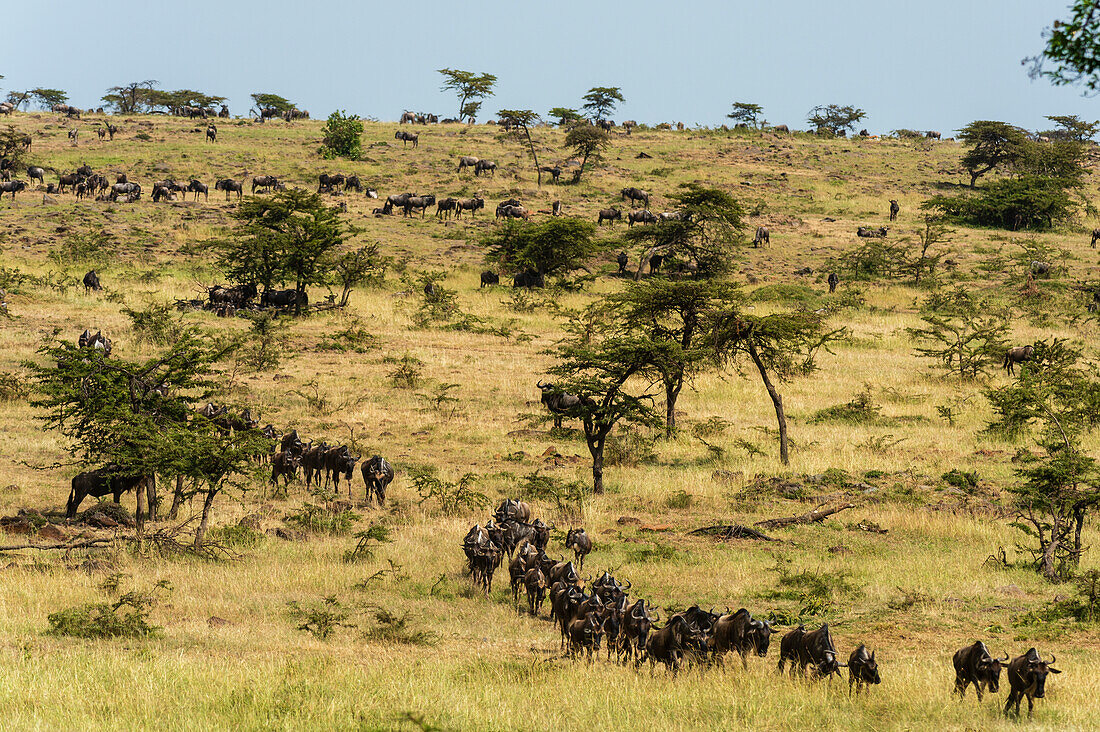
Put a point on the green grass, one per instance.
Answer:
(916, 593)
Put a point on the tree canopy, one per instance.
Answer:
(519, 122)
(834, 118)
(1072, 53)
(342, 136)
(565, 115)
(552, 247)
(600, 101)
(470, 87)
(746, 113)
(265, 101)
(132, 98)
(47, 98)
(587, 142)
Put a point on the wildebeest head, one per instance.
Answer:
(864, 666)
(759, 635)
(1030, 672)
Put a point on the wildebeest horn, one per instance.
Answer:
(1002, 659)
(540, 385)
(1053, 659)
(627, 586)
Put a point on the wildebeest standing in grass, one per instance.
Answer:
(975, 665)
(211, 133)
(763, 236)
(894, 209)
(862, 669)
(1018, 354)
(377, 475)
(635, 194)
(485, 166)
(98, 483)
(470, 204)
(198, 187)
(610, 215)
(91, 282)
(1027, 676)
(666, 645)
(581, 544)
(489, 278)
(833, 281)
(229, 186)
(264, 182)
(466, 161)
(407, 137)
(12, 187)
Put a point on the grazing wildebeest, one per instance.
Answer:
(742, 634)
(581, 544)
(641, 216)
(162, 193)
(98, 483)
(894, 209)
(326, 182)
(266, 182)
(635, 194)
(1027, 676)
(554, 171)
(1015, 355)
(284, 298)
(867, 232)
(230, 186)
(762, 236)
(198, 187)
(529, 278)
(610, 215)
(622, 261)
(212, 133)
(36, 173)
(485, 166)
(512, 212)
(559, 403)
(469, 204)
(351, 183)
(125, 189)
(862, 669)
(12, 187)
(420, 203)
(408, 116)
(445, 207)
(407, 137)
(91, 282)
(72, 136)
(814, 650)
(833, 281)
(377, 475)
(975, 665)
(466, 161)
(489, 278)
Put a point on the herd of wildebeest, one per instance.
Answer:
(587, 612)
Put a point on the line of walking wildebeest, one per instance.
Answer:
(589, 612)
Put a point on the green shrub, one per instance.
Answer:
(451, 496)
(341, 137)
(861, 409)
(394, 628)
(321, 520)
(364, 549)
(1026, 202)
(966, 481)
(791, 294)
(158, 324)
(321, 619)
(236, 536)
(126, 617)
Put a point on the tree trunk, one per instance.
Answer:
(777, 400)
(534, 155)
(597, 468)
(672, 393)
(200, 532)
(142, 510)
(177, 499)
(1046, 564)
(1078, 525)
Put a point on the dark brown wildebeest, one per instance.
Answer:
(529, 278)
(866, 232)
(581, 544)
(340, 462)
(160, 193)
(284, 464)
(198, 187)
(585, 635)
(397, 200)
(1027, 676)
(91, 282)
(407, 137)
(559, 403)
(467, 161)
(814, 650)
(762, 236)
(326, 182)
(36, 173)
(862, 669)
(211, 133)
(12, 187)
(418, 203)
(932, 135)
(377, 475)
(1015, 355)
(610, 215)
(238, 296)
(894, 209)
(535, 583)
(782, 129)
(485, 166)
(635, 194)
(974, 665)
(743, 634)
(408, 116)
(833, 281)
(351, 183)
(471, 205)
(621, 260)
(641, 216)
(69, 180)
(265, 182)
(667, 644)
(554, 171)
(508, 211)
(489, 278)
(98, 483)
(230, 186)
(101, 132)
(445, 207)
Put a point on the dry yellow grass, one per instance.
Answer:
(492, 668)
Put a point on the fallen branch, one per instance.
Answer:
(725, 532)
(810, 517)
(87, 544)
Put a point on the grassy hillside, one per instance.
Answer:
(916, 593)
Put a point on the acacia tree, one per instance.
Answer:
(553, 247)
(18, 98)
(565, 115)
(588, 143)
(834, 118)
(342, 136)
(470, 88)
(47, 98)
(1072, 53)
(130, 98)
(781, 345)
(520, 120)
(286, 237)
(267, 102)
(674, 316)
(600, 370)
(1073, 128)
(993, 145)
(962, 333)
(600, 101)
(700, 239)
(118, 414)
(746, 113)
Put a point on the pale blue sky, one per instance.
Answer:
(931, 64)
